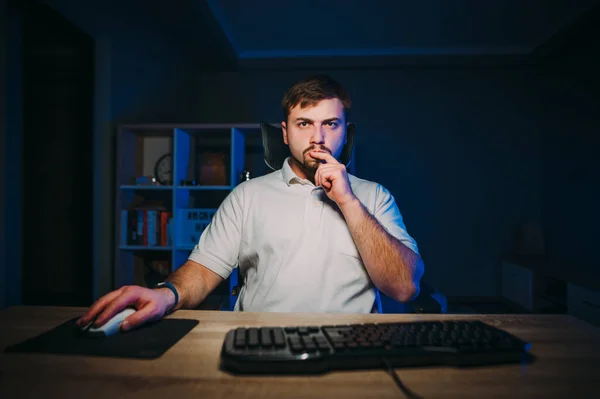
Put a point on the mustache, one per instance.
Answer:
(316, 148)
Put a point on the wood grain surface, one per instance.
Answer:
(567, 363)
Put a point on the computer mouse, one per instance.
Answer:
(111, 327)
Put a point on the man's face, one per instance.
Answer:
(321, 127)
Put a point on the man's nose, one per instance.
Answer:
(318, 136)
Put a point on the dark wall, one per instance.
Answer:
(56, 160)
(11, 224)
(3, 42)
(571, 144)
(459, 149)
(151, 83)
(152, 61)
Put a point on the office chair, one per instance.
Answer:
(276, 151)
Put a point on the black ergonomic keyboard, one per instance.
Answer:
(318, 349)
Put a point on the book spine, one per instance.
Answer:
(124, 227)
(151, 226)
(164, 219)
(140, 227)
(132, 229)
(145, 213)
(157, 229)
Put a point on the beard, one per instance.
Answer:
(308, 164)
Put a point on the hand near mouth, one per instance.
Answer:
(332, 176)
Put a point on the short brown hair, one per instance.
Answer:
(311, 90)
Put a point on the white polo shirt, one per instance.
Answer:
(292, 244)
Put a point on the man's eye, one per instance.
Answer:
(332, 124)
(303, 124)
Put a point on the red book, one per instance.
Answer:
(164, 220)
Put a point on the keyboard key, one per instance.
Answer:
(253, 337)
(322, 344)
(339, 345)
(296, 348)
(240, 334)
(310, 347)
(278, 338)
(265, 337)
(302, 330)
(240, 338)
(239, 344)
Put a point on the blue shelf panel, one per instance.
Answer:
(144, 248)
(134, 187)
(204, 188)
(185, 248)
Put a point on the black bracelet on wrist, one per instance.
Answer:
(169, 285)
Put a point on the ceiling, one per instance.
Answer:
(229, 34)
(390, 29)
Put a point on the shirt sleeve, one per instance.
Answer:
(219, 245)
(388, 215)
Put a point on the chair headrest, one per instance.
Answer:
(276, 151)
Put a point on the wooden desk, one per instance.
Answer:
(567, 351)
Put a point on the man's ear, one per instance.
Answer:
(284, 130)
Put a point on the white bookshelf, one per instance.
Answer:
(138, 146)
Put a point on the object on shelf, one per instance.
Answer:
(145, 181)
(245, 176)
(191, 224)
(188, 183)
(212, 169)
(163, 170)
(147, 227)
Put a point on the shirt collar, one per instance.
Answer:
(290, 177)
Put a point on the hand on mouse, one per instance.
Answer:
(151, 305)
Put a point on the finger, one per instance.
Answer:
(323, 174)
(321, 178)
(147, 313)
(330, 167)
(128, 297)
(325, 166)
(327, 174)
(318, 177)
(325, 156)
(97, 307)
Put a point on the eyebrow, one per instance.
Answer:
(301, 119)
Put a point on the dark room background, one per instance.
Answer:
(472, 150)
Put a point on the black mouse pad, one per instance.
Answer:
(149, 341)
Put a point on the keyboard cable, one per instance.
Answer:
(392, 372)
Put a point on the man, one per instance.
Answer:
(308, 237)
